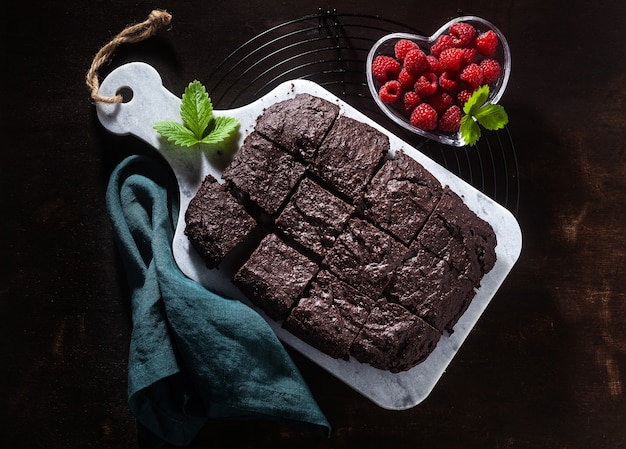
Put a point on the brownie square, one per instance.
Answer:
(264, 172)
(476, 233)
(431, 288)
(459, 236)
(314, 217)
(330, 316)
(448, 245)
(298, 124)
(215, 222)
(394, 339)
(401, 196)
(349, 155)
(275, 276)
(365, 257)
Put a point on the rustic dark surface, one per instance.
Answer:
(545, 367)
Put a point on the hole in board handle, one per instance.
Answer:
(126, 93)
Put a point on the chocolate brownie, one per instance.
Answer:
(349, 155)
(330, 316)
(275, 276)
(365, 257)
(298, 124)
(394, 339)
(401, 196)
(431, 288)
(314, 217)
(215, 221)
(401, 256)
(458, 235)
(477, 234)
(264, 172)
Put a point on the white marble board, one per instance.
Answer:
(152, 102)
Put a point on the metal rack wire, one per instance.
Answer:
(330, 49)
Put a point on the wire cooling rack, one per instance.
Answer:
(330, 49)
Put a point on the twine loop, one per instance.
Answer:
(157, 19)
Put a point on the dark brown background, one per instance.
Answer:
(544, 368)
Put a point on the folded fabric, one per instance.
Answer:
(194, 355)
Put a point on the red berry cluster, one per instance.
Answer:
(432, 88)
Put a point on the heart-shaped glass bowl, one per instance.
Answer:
(385, 46)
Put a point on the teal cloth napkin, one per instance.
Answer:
(194, 355)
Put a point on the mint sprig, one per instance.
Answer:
(477, 114)
(199, 126)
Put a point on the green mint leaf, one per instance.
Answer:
(492, 117)
(198, 125)
(470, 131)
(196, 109)
(476, 100)
(222, 128)
(176, 133)
(478, 113)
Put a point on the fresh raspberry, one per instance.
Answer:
(440, 100)
(390, 92)
(435, 65)
(410, 101)
(452, 58)
(472, 76)
(406, 79)
(426, 84)
(385, 68)
(491, 70)
(470, 55)
(449, 82)
(442, 43)
(463, 96)
(450, 120)
(402, 47)
(462, 34)
(487, 42)
(424, 117)
(415, 62)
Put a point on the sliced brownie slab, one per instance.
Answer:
(390, 282)
(349, 155)
(275, 276)
(431, 288)
(394, 339)
(264, 172)
(330, 316)
(215, 221)
(365, 257)
(314, 217)
(401, 196)
(298, 124)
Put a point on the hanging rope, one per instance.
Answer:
(135, 33)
